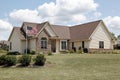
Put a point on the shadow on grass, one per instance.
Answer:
(47, 64)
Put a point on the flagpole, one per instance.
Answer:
(26, 40)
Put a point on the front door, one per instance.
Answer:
(53, 45)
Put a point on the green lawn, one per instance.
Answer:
(69, 67)
(2, 51)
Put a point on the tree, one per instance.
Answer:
(113, 36)
(118, 36)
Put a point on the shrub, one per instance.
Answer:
(80, 48)
(40, 60)
(50, 53)
(64, 52)
(116, 52)
(79, 52)
(10, 60)
(71, 51)
(13, 53)
(25, 60)
(2, 60)
(32, 52)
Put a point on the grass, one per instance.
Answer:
(69, 67)
(2, 51)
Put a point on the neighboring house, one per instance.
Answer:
(55, 38)
(4, 45)
(118, 40)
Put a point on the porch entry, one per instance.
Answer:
(53, 45)
(85, 50)
(83, 44)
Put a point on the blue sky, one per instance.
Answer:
(109, 7)
(64, 12)
(7, 6)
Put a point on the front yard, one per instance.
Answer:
(69, 67)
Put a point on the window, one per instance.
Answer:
(43, 43)
(101, 44)
(63, 45)
(10, 45)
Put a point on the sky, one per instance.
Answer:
(61, 12)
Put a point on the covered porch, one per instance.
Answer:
(55, 45)
(58, 45)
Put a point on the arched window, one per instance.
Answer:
(43, 43)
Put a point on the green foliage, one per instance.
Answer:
(25, 60)
(32, 52)
(10, 60)
(64, 52)
(4, 47)
(40, 60)
(71, 51)
(13, 53)
(2, 51)
(104, 52)
(116, 52)
(2, 59)
(50, 53)
(113, 35)
(118, 36)
(79, 52)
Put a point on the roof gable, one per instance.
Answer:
(49, 30)
(19, 32)
(83, 31)
(37, 26)
(101, 24)
(62, 31)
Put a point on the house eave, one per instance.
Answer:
(80, 40)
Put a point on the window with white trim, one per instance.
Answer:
(64, 45)
(43, 43)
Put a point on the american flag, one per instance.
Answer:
(31, 30)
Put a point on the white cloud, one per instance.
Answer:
(5, 29)
(61, 11)
(25, 15)
(76, 6)
(5, 26)
(47, 9)
(79, 18)
(113, 23)
(66, 11)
